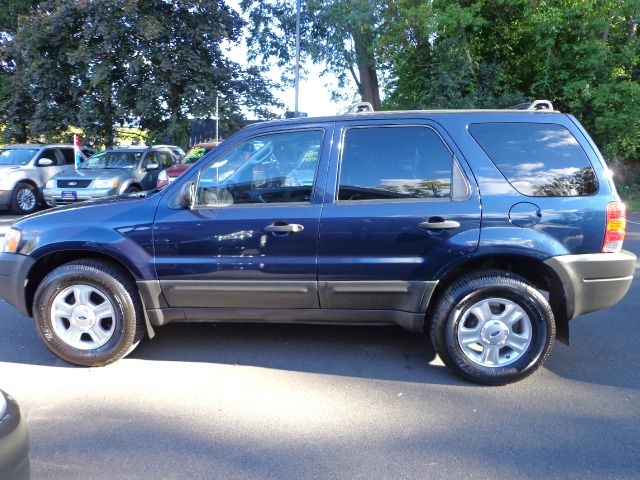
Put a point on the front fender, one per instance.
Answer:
(121, 230)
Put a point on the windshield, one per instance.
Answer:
(113, 160)
(195, 154)
(17, 156)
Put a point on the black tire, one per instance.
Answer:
(20, 190)
(116, 286)
(468, 292)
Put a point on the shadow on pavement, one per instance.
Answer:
(387, 353)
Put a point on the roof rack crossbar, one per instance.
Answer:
(535, 105)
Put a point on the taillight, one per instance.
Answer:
(616, 227)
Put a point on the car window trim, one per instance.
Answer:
(454, 159)
(272, 204)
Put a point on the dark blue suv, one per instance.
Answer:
(493, 229)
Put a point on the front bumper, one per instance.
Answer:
(14, 444)
(593, 281)
(53, 196)
(14, 269)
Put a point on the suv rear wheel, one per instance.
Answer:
(493, 328)
(87, 313)
(24, 199)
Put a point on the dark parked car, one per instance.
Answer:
(491, 229)
(14, 441)
(109, 173)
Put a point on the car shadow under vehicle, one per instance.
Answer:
(386, 353)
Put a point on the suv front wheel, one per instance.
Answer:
(493, 328)
(88, 313)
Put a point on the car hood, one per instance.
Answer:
(10, 168)
(95, 173)
(125, 197)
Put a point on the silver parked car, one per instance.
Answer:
(14, 441)
(25, 169)
(109, 173)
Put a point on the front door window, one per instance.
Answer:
(274, 168)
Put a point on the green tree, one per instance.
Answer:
(581, 54)
(182, 68)
(157, 64)
(14, 101)
(340, 34)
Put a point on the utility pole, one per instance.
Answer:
(297, 81)
(217, 118)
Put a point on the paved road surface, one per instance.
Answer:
(225, 402)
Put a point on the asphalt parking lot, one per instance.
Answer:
(218, 402)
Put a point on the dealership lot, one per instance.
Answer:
(264, 401)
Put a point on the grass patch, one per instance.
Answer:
(633, 205)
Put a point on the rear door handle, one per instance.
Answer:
(439, 224)
(282, 227)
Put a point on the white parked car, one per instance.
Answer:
(25, 170)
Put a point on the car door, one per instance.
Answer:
(47, 172)
(250, 241)
(399, 206)
(150, 176)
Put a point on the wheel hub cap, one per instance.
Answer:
(494, 332)
(26, 199)
(83, 317)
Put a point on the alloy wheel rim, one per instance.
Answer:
(494, 332)
(83, 317)
(26, 199)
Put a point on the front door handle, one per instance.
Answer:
(438, 223)
(283, 227)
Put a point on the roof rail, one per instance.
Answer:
(362, 107)
(535, 105)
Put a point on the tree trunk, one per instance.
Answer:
(367, 80)
(107, 115)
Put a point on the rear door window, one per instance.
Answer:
(69, 156)
(538, 159)
(394, 162)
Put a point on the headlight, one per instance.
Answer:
(105, 183)
(11, 241)
(162, 176)
(50, 184)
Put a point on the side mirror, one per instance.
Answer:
(186, 197)
(152, 166)
(45, 162)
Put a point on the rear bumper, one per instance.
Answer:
(593, 281)
(14, 444)
(14, 269)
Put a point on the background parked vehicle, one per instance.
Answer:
(14, 441)
(25, 170)
(492, 229)
(176, 150)
(109, 173)
(192, 156)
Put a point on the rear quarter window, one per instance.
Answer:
(538, 159)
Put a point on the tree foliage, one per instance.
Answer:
(103, 63)
(340, 34)
(582, 54)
